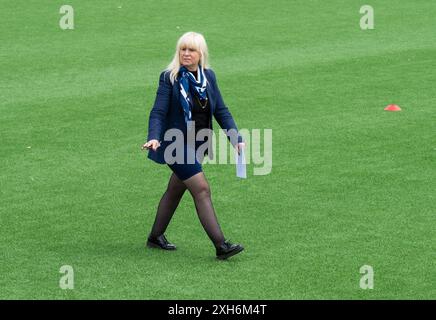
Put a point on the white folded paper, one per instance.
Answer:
(241, 171)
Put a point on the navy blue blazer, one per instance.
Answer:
(167, 112)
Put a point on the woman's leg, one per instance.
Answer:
(200, 191)
(167, 205)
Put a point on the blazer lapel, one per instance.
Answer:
(211, 96)
(176, 93)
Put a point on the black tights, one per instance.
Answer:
(200, 191)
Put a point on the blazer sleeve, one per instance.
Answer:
(156, 122)
(222, 113)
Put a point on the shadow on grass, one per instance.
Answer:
(137, 252)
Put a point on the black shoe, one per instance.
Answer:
(227, 249)
(160, 242)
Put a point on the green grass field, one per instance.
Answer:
(351, 184)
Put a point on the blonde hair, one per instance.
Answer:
(191, 40)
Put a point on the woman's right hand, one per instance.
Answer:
(152, 144)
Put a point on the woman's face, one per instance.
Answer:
(189, 57)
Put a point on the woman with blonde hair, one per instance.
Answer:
(187, 98)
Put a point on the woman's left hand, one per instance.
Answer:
(239, 147)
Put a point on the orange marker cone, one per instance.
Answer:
(393, 107)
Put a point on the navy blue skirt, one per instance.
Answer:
(186, 170)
